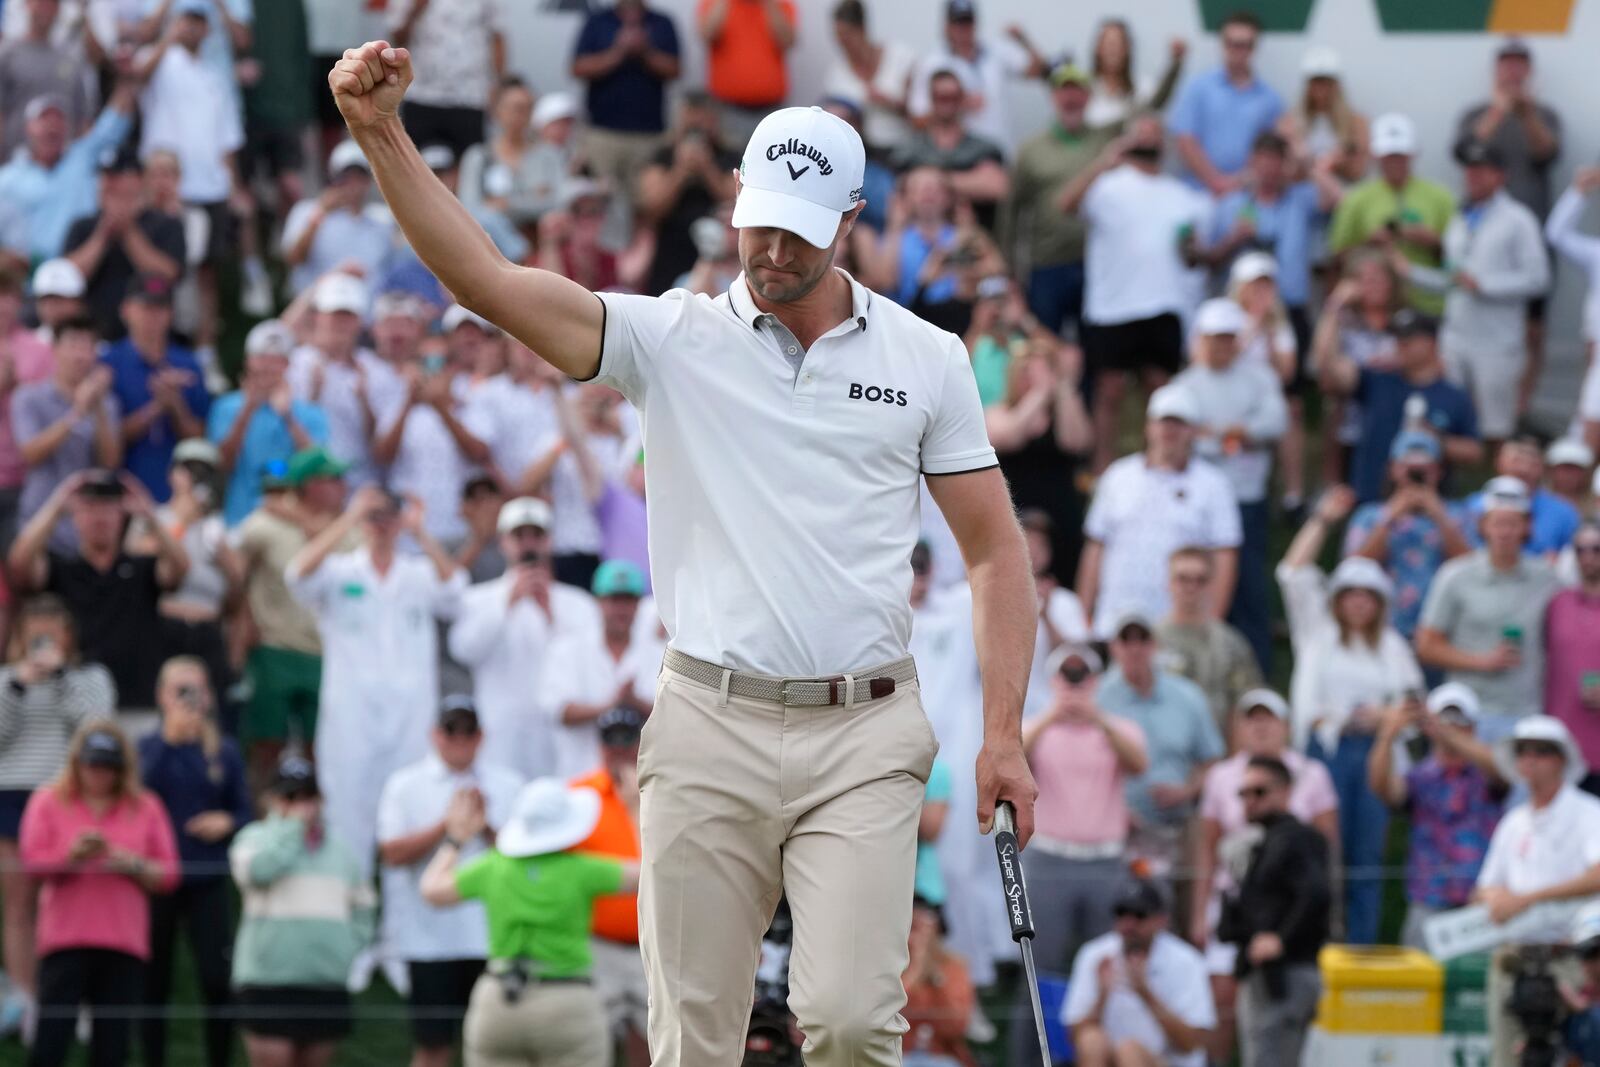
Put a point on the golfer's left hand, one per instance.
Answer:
(1003, 774)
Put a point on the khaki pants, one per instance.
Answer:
(620, 157)
(560, 1025)
(743, 800)
(1505, 1029)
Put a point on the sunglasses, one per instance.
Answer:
(1536, 748)
(1585, 550)
(1133, 635)
(1183, 578)
(1254, 792)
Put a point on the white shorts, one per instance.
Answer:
(619, 980)
(1494, 380)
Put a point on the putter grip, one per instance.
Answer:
(1010, 856)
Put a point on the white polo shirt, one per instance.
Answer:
(1535, 849)
(579, 670)
(1142, 516)
(784, 504)
(414, 798)
(1133, 268)
(1177, 976)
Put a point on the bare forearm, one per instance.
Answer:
(320, 547)
(1585, 885)
(87, 256)
(107, 446)
(1004, 617)
(413, 847)
(146, 256)
(1194, 157)
(1089, 576)
(1435, 650)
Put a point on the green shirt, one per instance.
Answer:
(282, 99)
(1373, 204)
(540, 907)
(991, 363)
(1045, 163)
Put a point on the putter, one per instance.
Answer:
(1018, 912)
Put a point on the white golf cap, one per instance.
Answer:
(553, 107)
(1082, 653)
(802, 170)
(1566, 451)
(1252, 265)
(1321, 62)
(397, 302)
(1455, 695)
(58, 277)
(1393, 134)
(268, 338)
(1173, 402)
(456, 315)
(345, 155)
(1543, 728)
(196, 450)
(439, 157)
(1506, 493)
(1219, 315)
(1359, 572)
(523, 511)
(341, 292)
(1263, 698)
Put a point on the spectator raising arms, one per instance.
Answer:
(1118, 92)
(1323, 130)
(99, 844)
(874, 75)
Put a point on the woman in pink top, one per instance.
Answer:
(98, 843)
(1260, 728)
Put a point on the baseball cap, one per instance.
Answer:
(478, 482)
(1506, 493)
(577, 189)
(1410, 443)
(1173, 402)
(1476, 153)
(1069, 652)
(553, 107)
(1393, 134)
(42, 103)
(439, 157)
(196, 450)
(1513, 48)
(347, 155)
(458, 715)
(1139, 897)
(193, 7)
(340, 292)
(617, 577)
(102, 748)
(1219, 315)
(620, 727)
(295, 778)
(101, 483)
(960, 11)
(149, 289)
(309, 463)
(1359, 572)
(523, 511)
(1321, 62)
(58, 277)
(802, 170)
(394, 302)
(1252, 265)
(1454, 695)
(1569, 451)
(1068, 73)
(123, 160)
(1409, 322)
(1133, 618)
(268, 338)
(456, 315)
(1263, 698)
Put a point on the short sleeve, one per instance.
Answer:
(472, 879)
(1442, 608)
(1192, 1002)
(664, 34)
(632, 335)
(956, 440)
(600, 876)
(1185, 114)
(1084, 987)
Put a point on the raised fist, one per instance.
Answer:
(369, 82)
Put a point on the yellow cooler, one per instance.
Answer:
(1379, 989)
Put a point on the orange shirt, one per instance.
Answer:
(616, 918)
(746, 64)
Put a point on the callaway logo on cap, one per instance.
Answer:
(802, 170)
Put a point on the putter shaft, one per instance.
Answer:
(1009, 853)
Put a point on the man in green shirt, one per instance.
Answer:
(534, 1001)
(1053, 256)
(1396, 209)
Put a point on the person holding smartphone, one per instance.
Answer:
(45, 695)
(199, 776)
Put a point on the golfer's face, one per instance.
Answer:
(780, 266)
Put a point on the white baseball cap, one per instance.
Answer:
(1569, 450)
(1393, 135)
(347, 155)
(1321, 62)
(523, 511)
(1506, 493)
(58, 277)
(341, 292)
(1455, 695)
(1173, 402)
(1252, 265)
(1263, 698)
(802, 170)
(1219, 315)
(553, 107)
(268, 338)
(456, 315)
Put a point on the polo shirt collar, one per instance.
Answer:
(744, 305)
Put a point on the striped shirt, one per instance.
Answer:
(37, 721)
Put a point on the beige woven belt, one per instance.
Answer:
(871, 684)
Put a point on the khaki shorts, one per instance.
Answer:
(618, 971)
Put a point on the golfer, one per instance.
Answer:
(788, 424)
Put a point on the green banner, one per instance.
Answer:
(1279, 16)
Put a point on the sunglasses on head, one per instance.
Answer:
(1253, 792)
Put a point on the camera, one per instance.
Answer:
(1075, 673)
(1416, 476)
(1536, 1002)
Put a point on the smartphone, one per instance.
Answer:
(1416, 476)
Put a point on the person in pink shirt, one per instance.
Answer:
(1082, 758)
(1226, 837)
(24, 357)
(98, 843)
(1572, 655)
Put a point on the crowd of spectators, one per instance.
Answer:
(286, 624)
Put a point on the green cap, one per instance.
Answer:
(312, 463)
(617, 577)
(1068, 74)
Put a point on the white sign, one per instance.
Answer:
(1469, 929)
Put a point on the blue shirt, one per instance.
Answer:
(267, 440)
(1284, 226)
(1383, 396)
(630, 99)
(914, 252)
(877, 189)
(1416, 552)
(1224, 118)
(149, 458)
(930, 879)
(1179, 731)
(1555, 522)
(188, 783)
(52, 198)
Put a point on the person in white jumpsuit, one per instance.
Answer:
(376, 611)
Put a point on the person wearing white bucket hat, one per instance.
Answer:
(535, 1003)
(1349, 661)
(1545, 850)
(1452, 796)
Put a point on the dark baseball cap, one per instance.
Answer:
(149, 289)
(123, 160)
(459, 715)
(960, 11)
(620, 727)
(1409, 322)
(102, 483)
(1475, 153)
(102, 748)
(1140, 898)
(296, 778)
